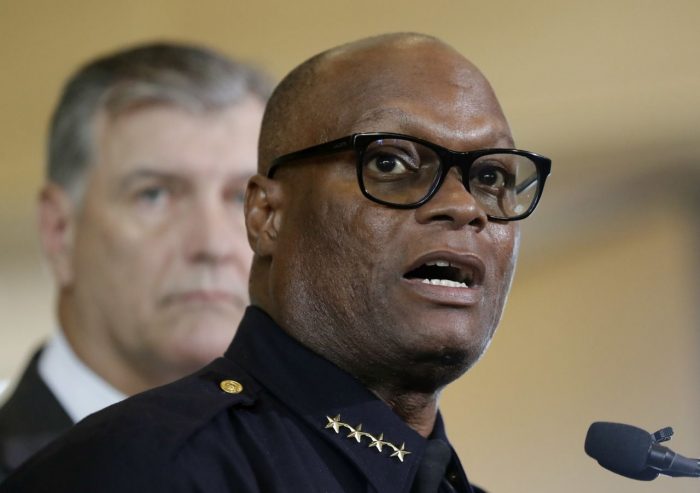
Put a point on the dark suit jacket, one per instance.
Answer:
(270, 416)
(31, 418)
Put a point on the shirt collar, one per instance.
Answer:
(78, 389)
(343, 411)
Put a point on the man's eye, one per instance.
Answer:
(234, 194)
(492, 176)
(152, 194)
(237, 196)
(388, 164)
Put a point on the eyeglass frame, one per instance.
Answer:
(359, 142)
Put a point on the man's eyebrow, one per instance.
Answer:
(167, 175)
(132, 178)
(145, 173)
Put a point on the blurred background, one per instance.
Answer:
(603, 322)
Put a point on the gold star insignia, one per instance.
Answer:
(400, 452)
(378, 443)
(334, 423)
(356, 433)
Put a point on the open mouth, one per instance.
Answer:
(442, 272)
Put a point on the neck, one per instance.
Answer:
(418, 410)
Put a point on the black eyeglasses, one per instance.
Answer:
(405, 172)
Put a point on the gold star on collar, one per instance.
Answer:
(357, 433)
(334, 423)
(399, 453)
(378, 442)
(375, 442)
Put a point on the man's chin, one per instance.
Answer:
(430, 371)
(195, 343)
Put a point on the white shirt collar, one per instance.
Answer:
(76, 387)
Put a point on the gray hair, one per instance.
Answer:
(191, 77)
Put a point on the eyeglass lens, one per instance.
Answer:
(403, 172)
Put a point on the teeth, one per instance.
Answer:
(440, 263)
(445, 282)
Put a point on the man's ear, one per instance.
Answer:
(263, 214)
(57, 216)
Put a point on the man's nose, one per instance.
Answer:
(217, 232)
(453, 204)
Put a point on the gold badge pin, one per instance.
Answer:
(231, 386)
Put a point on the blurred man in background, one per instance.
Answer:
(141, 221)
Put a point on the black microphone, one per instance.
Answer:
(635, 453)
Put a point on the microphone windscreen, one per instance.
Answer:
(620, 448)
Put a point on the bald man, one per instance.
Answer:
(384, 224)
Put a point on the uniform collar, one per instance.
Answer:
(332, 402)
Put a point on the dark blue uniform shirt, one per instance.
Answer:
(270, 416)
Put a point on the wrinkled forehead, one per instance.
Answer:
(427, 90)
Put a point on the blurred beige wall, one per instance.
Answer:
(603, 319)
